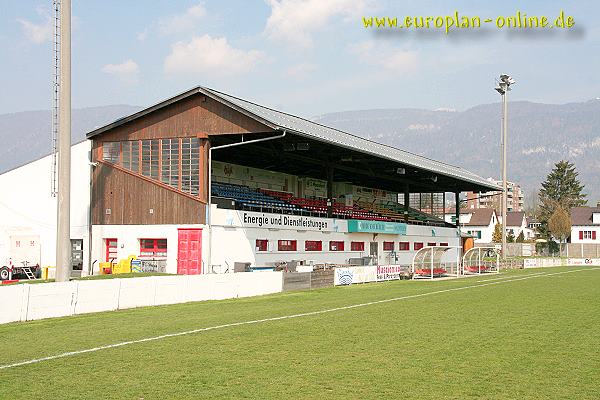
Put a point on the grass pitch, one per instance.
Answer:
(534, 338)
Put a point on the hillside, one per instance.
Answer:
(27, 135)
(539, 136)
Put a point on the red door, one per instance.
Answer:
(189, 251)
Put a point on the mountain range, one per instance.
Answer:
(539, 136)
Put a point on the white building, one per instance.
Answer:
(27, 207)
(517, 223)
(585, 225)
(482, 224)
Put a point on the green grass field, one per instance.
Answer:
(534, 338)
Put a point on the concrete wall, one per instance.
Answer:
(27, 207)
(30, 302)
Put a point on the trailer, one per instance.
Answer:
(23, 258)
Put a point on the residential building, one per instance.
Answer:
(585, 225)
(493, 199)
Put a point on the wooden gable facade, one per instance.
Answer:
(124, 195)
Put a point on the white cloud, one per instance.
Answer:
(210, 56)
(39, 33)
(385, 56)
(182, 22)
(143, 35)
(300, 70)
(295, 21)
(127, 71)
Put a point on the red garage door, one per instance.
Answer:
(189, 251)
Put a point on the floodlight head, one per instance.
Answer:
(507, 79)
(500, 90)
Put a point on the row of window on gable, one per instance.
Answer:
(587, 235)
(174, 162)
(262, 245)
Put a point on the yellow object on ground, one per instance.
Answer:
(105, 268)
(123, 266)
(48, 272)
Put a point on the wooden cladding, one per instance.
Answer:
(196, 116)
(154, 169)
(120, 197)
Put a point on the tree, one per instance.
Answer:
(559, 226)
(510, 237)
(520, 238)
(560, 189)
(497, 235)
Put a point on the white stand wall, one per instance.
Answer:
(27, 207)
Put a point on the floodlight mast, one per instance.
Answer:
(63, 241)
(503, 87)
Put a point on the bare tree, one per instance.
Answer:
(559, 225)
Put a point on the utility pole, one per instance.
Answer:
(63, 234)
(503, 88)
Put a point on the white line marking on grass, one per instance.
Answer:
(510, 277)
(258, 321)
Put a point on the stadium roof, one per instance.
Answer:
(281, 121)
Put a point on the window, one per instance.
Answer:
(170, 162)
(404, 246)
(286, 245)
(336, 246)
(110, 152)
(443, 244)
(175, 162)
(357, 246)
(262, 244)
(153, 247)
(431, 244)
(111, 249)
(587, 235)
(388, 246)
(313, 245)
(190, 165)
(418, 245)
(130, 155)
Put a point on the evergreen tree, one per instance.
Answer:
(497, 235)
(560, 189)
(510, 237)
(520, 238)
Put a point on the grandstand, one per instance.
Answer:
(208, 182)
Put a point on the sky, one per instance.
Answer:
(307, 57)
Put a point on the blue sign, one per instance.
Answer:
(394, 228)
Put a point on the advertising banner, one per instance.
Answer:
(389, 272)
(584, 261)
(249, 219)
(372, 273)
(395, 228)
(350, 275)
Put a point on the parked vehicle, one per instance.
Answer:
(22, 261)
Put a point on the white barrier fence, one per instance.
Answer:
(557, 262)
(47, 300)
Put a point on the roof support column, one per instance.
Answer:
(457, 208)
(329, 191)
(406, 201)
